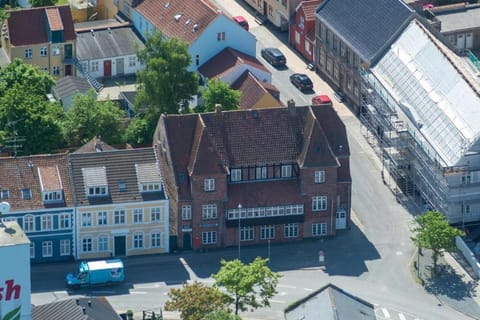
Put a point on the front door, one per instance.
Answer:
(341, 220)
(187, 241)
(120, 246)
(119, 67)
(107, 68)
(68, 70)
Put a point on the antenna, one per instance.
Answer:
(13, 142)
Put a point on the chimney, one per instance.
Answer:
(89, 303)
(84, 310)
(77, 301)
(218, 108)
(291, 107)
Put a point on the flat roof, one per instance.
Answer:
(459, 19)
(11, 234)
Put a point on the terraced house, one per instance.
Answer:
(38, 189)
(121, 208)
(254, 176)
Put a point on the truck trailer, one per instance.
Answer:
(102, 272)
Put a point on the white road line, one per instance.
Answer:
(277, 301)
(138, 292)
(401, 316)
(286, 286)
(192, 274)
(385, 312)
(308, 289)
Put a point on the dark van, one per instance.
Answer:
(274, 56)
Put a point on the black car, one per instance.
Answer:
(274, 56)
(301, 81)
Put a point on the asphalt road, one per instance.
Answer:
(371, 260)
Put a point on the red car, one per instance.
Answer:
(241, 21)
(321, 100)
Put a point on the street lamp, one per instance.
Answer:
(239, 234)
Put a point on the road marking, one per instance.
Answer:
(277, 301)
(192, 274)
(286, 286)
(138, 292)
(401, 316)
(307, 289)
(399, 253)
(385, 313)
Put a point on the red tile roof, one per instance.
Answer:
(171, 17)
(253, 90)
(36, 30)
(309, 8)
(227, 59)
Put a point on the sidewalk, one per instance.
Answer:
(452, 286)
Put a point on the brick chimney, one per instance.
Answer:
(291, 107)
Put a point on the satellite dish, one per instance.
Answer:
(4, 208)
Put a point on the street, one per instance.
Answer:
(370, 260)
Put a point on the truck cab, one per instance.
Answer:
(102, 272)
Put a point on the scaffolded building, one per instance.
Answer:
(422, 105)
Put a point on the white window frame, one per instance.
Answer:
(261, 173)
(56, 70)
(47, 249)
(236, 175)
(267, 232)
(86, 244)
(209, 237)
(151, 187)
(138, 240)
(43, 51)
(138, 216)
(65, 247)
(209, 185)
(46, 222)
(286, 171)
(103, 243)
(64, 221)
(209, 211)
(319, 229)
(156, 214)
(320, 176)
(86, 220)
(319, 203)
(4, 194)
(156, 239)
(102, 218)
(132, 61)
(97, 191)
(28, 223)
(94, 66)
(247, 233)
(28, 53)
(221, 36)
(32, 250)
(26, 194)
(291, 230)
(56, 50)
(119, 217)
(186, 212)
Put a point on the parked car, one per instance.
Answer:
(301, 81)
(274, 56)
(241, 21)
(321, 100)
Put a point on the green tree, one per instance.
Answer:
(30, 77)
(165, 82)
(221, 93)
(196, 300)
(88, 117)
(433, 232)
(139, 132)
(249, 285)
(221, 315)
(29, 117)
(42, 3)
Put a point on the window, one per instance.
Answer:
(28, 223)
(156, 240)
(26, 194)
(319, 203)
(56, 70)
(28, 53)
(319, 176)
(319, 229)
(291, 230)
(284, 3)
(209, 185)
(103, 243)
(261, 173)
(465, 208)
(56, 51)
(122, 186)
(466, 179)
(64, 221)
(138, 240)
(247, 233)
(267, 232)
(236, 175)
(197, 60)
(87, 244)
(102, 218)
(151, 187)
(65, 247)
(132, 61)
(43, 51)
(86, 219)
(4, 194)
(137, 215)
(52, 196)
(220, 36)
(187, 212)
(97, 191)
(94, 67)
(47, 249)
(286, 171)
(155, 214)
(119, 217)
(209, 211)
(32, 250)
(47, 222)
(209, 237)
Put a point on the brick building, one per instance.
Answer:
(279, 174)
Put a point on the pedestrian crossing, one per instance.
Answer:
(389, 314)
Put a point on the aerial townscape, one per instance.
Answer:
(239, 159)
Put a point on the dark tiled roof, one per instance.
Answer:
(119, 166)
(94, 145)
(70, 85)
(366, 26)
(21, 173)
(162, 14)
(252, 90)
(72, 309)
(227, 59)
(107, 43)
(35, 31)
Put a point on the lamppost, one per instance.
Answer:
(239, 233)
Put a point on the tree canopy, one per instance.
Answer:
(219, 92)
(88, 118)
(249, 285)
(42, 3)
(433, 232)
(196, 300)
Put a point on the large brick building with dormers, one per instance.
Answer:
(277, 174)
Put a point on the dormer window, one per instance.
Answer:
(151, 187)
(122, 186)
(95, 180)
(51, 184)
(236, 175)
(148, 177)
(97, 191)
(52, 196)
(286, 171)
(209, 185)
(4, 194)
(26, 194)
